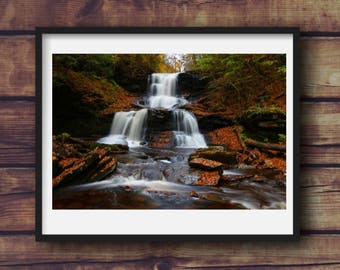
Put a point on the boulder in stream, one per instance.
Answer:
(78, 161)
(205, 164)
(216, 154)
(208, 178)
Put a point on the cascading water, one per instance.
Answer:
(129, 127)
(187, 133)
(163, 94)
(163, 91)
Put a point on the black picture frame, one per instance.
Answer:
(41, 31)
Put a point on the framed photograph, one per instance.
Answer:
(167, 133)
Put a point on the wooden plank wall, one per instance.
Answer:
(319, 247)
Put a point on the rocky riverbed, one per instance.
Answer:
(155, 178)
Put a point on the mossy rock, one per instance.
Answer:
(216, 154)
(223, 157)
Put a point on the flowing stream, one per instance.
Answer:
(154, 178)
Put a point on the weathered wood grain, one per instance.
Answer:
(23, 251)
(319, 203)
(320, 67)
(232, 253)
(142, 264)
(320, 123)
(17, 180)
(17, 129)
(317, 186)
(315, 155)
(308, 14)
(17, 124)
(158, 264)
(320, 199)
(165, 264)
(17, 66)
(18, 212)
(21, 157)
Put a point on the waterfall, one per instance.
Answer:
(163, 91)
(163, 94)
(187, 134)
(129, 127)
(136, 131)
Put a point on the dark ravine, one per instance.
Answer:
(162, 167)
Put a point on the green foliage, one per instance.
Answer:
(95, 65)
(261, 110)
(261, 135)
(281, 137)
(244, 136)
(244, 79)
(128, 70)
(233, 66)
(282, 70)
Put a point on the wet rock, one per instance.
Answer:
(243, 166)
(219, 200)
(205, 164)
(228, 178)
(78, 161)
(194, 194)
(161, 158)
(162, 139)
(264, 124)
(113, 148)
(212, 197)
(208, 178)
(261, 117)
(105, 167)
(213, 147)
(160, 123)
(73, 173)
(223, 157)
(216, 154)
(140, 155)
(210, 122)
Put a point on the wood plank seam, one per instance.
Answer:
(310, 34)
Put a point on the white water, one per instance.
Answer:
(129, 127)
(163, 94)
(163, 91)
(187, 134)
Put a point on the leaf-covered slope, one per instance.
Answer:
(84, 105)
(237, 82)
